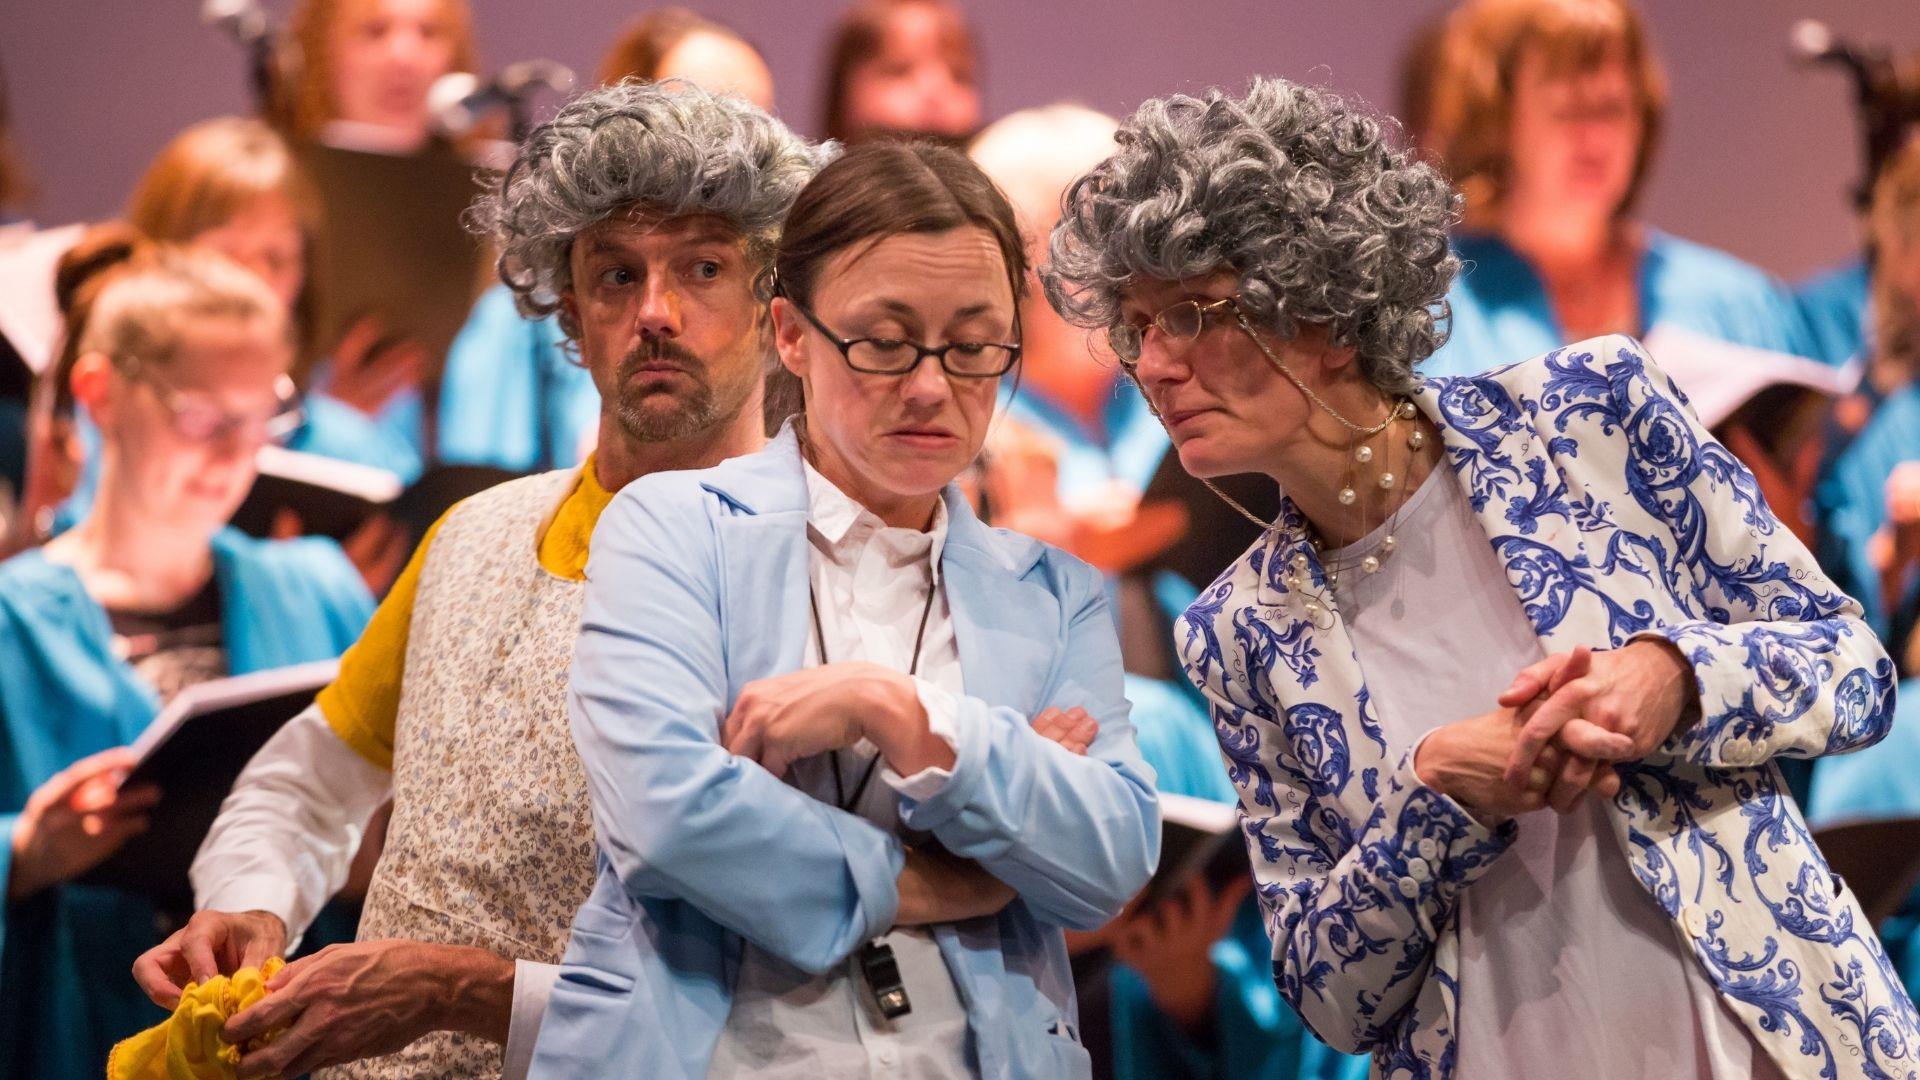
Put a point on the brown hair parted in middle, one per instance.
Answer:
(873, 191)
(877, 190)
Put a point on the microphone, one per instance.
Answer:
(241, 20)
(1813, 42)
(457, 100)
(246, 23)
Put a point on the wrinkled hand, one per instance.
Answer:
(1628, 703)
(370, 367)
(1170, 944)
(348, 1002)
(787, 718)
(212, 943)
(1468, 760)
(75, 820)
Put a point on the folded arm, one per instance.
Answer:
(675, 813)
(1075, 835)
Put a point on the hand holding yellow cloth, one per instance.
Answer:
(187, 1045)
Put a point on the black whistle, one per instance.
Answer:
(883, 978)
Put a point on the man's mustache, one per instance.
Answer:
(652, 350)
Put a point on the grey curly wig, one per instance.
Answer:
(670, 147)
(1299, 192)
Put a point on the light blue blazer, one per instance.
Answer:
(697, 585)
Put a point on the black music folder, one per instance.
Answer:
(194, 750)
(1198, 837)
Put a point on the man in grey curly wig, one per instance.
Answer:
(643, 215)
(1483, 600)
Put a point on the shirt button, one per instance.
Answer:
(1429, 848)
(1694, 919)
(1417, 869)
(885, 1058)
(1409, 888)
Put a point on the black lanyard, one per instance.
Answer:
(913, 668)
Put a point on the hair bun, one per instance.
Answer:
(86, 265)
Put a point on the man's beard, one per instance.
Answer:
(655, 415)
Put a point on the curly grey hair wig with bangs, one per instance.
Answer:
(1295, 190)
(667, 147)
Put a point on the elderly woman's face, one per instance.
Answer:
(1225, 407)
(1575, 138)
(898, 438)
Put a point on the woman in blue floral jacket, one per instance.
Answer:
(1501, 688)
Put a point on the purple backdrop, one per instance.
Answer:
(1757, 160)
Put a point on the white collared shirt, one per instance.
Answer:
(871, 584)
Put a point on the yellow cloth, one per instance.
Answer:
(363, 701)
(187, 1045)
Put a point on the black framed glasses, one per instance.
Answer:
(1181, 323)
(892, 356)
(194, 417)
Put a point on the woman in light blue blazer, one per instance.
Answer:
(831, 839)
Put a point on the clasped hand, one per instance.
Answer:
(1560, 728)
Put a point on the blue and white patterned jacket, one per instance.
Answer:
(1616, 515)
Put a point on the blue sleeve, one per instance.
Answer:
(337, 430)
(675, 814)
(490, 387)
(1077, 836)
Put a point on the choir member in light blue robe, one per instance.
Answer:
(1850, 501)
(1833, 305)
(65, 995)
(1502, 314)
(1880, 782)
(183, 364)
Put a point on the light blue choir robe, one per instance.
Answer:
(1850, 501)
(1882, 781)
(511, 397)
(1502, 315)
(66, 994)
(1126, 445)
(1833, 305)
(1257, 1034)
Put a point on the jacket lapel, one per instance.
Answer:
(764, 617)
(1313, 683)
(1523, 505)
(1007, 628)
